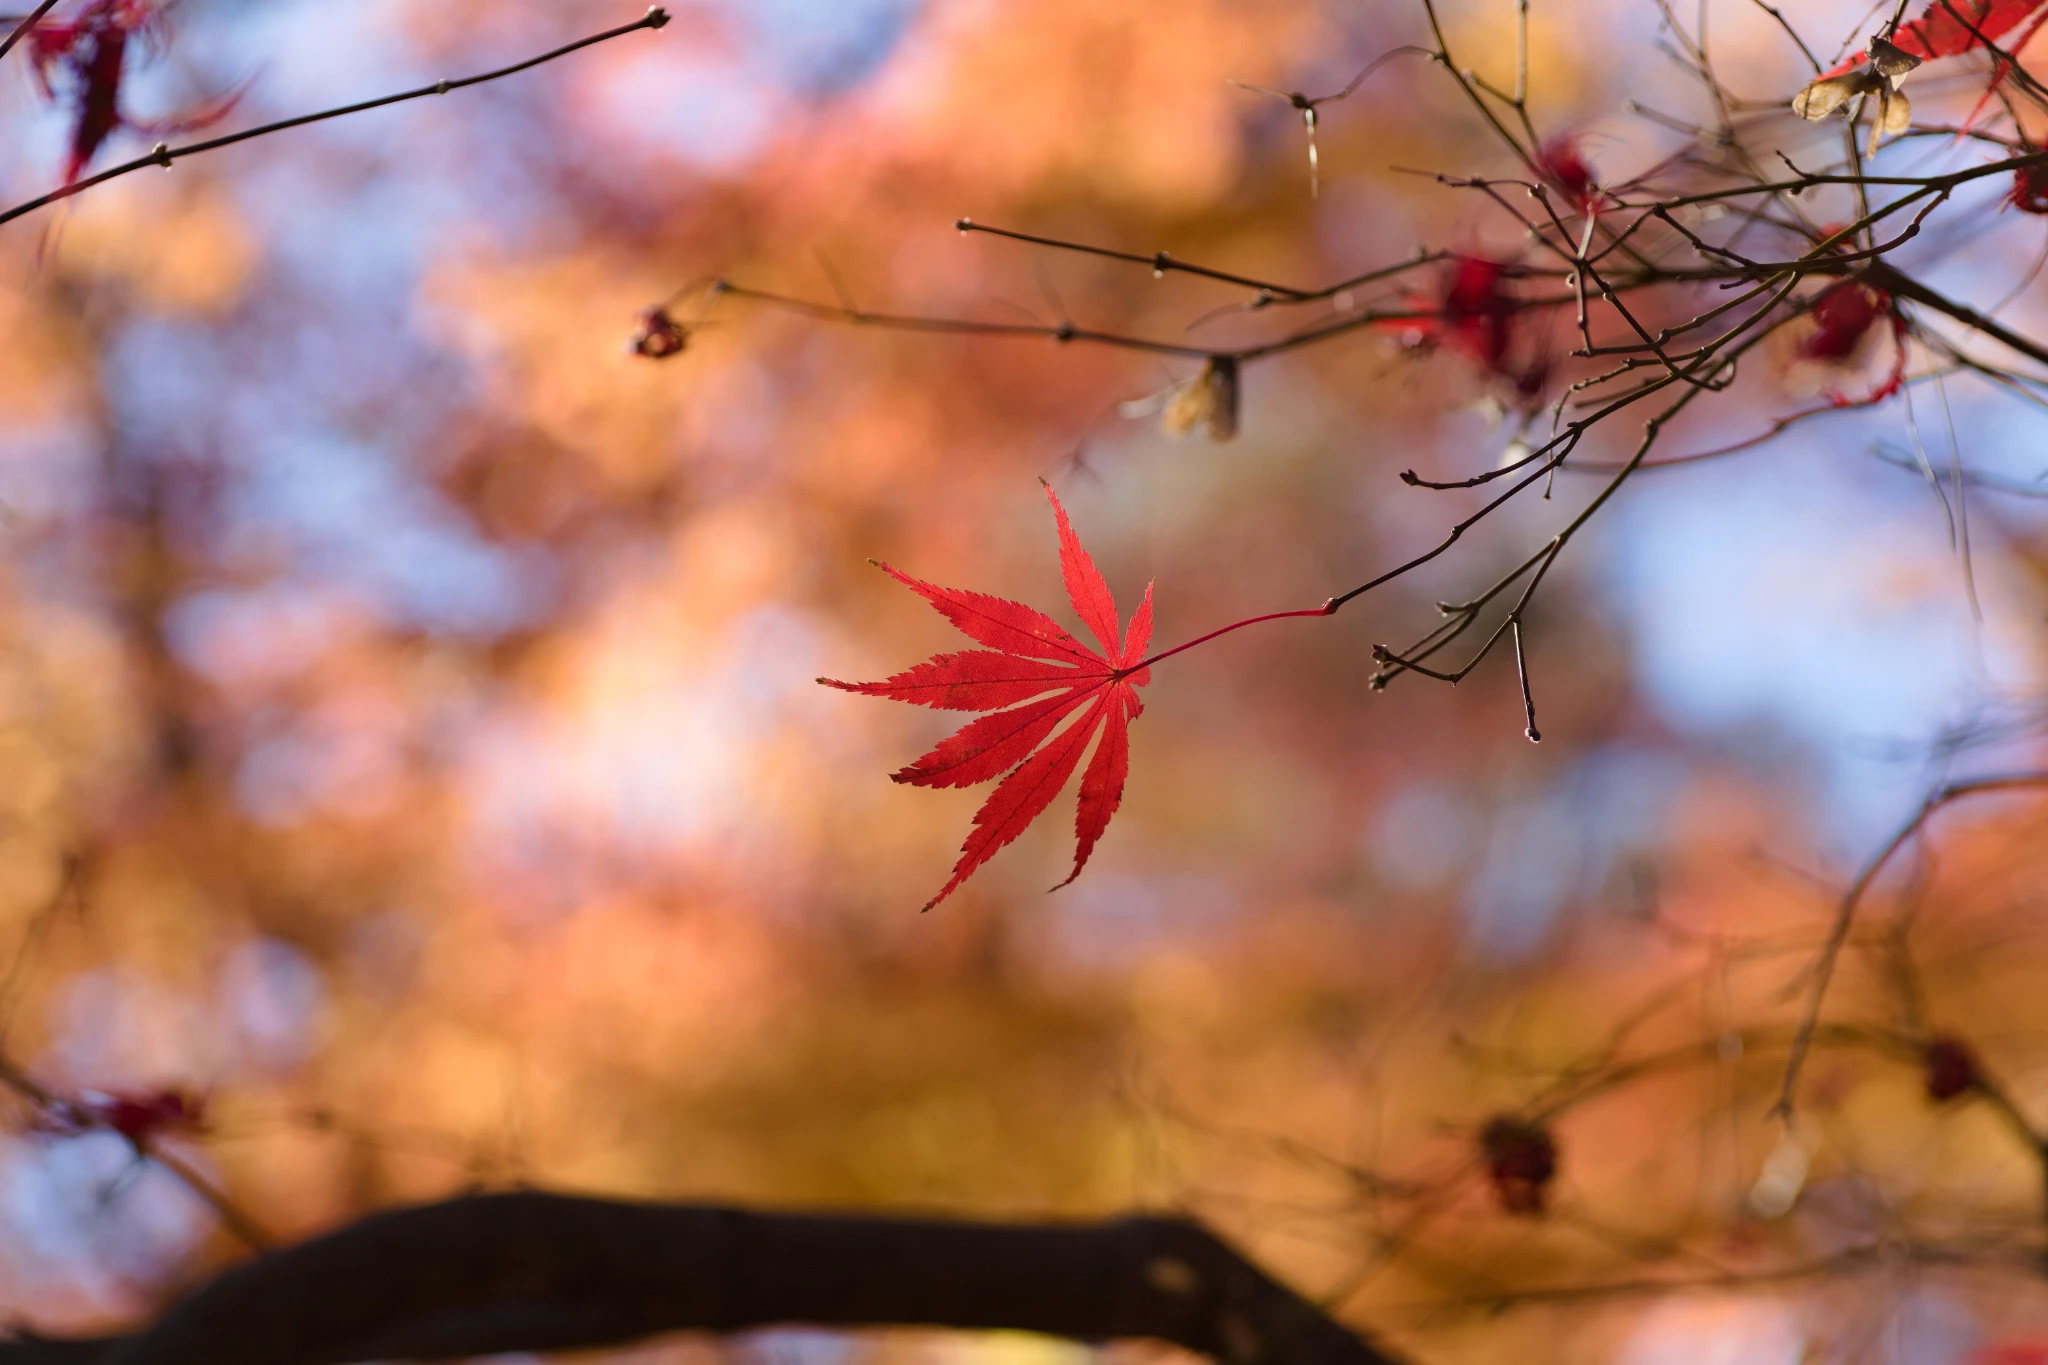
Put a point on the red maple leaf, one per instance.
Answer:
(1949, 28)
(1030, 656)
(88, 57)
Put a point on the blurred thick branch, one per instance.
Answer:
(539, 1272)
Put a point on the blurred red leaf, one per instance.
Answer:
(1562, 160)
(2027, 1351)
(1478, 309)
(91, 51)
(137, 1116)
(1844, 317)
(1949, 28)
(1944, 26)
(1030, 655)
(2030, 188)
(1479, 316)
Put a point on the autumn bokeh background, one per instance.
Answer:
(408, 736)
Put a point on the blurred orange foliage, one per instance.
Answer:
(409, 741)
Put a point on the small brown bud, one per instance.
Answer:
(1949, 1068)
(1521, 1161)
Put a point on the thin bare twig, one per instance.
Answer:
(26, 25)
(166, 156)
(1845, 914)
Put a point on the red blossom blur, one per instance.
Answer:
(1840, 336)
(138, 1116)
(1521, 1162)
(1478, 315)
(2029, 193)
(1562, 160)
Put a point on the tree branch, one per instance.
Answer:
(535, 1272)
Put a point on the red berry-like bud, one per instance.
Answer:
(1950, 1068)
(139, 1117)
(1521, 1161)
(659, 336)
